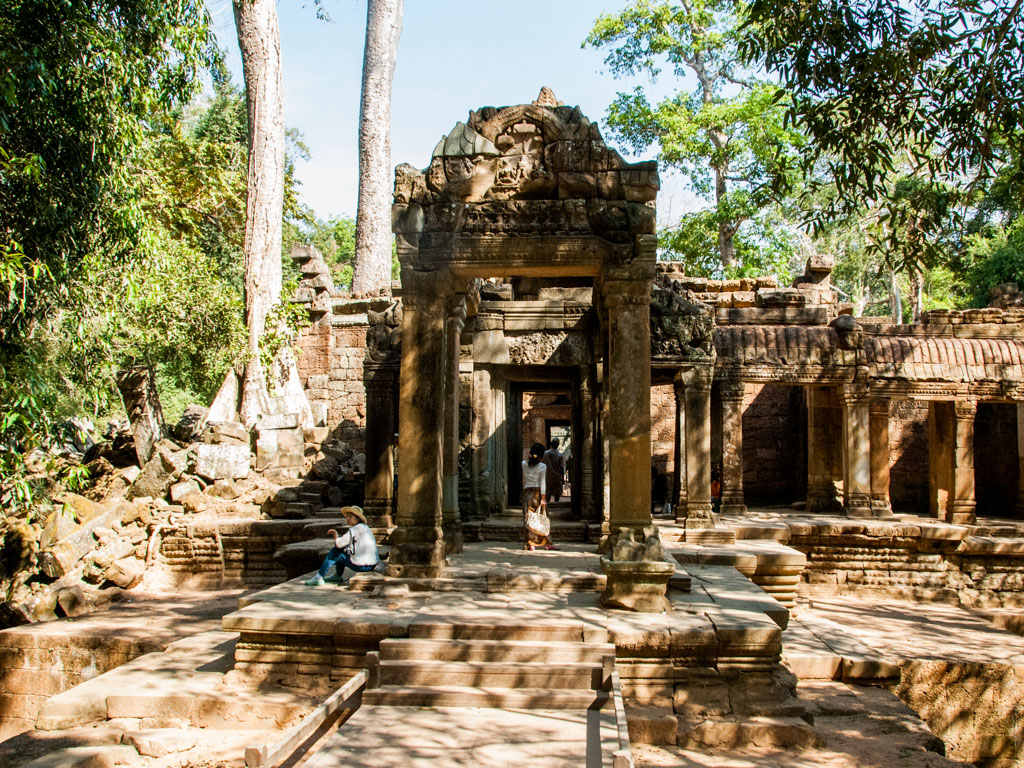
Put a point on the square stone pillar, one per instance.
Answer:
(1020, 459)
(964, 506)
(628, 423)
(856, 451)
(380, 381)
(679, 447)
(880, 505)
(588, 458)
(696, 382)
(450, 520)
(941, 429)
(418, 541)
(821, 447)
(732, 391)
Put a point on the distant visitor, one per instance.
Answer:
(355, 549)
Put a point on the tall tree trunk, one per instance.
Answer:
(260, 44)
(897, 303)
(916, 293)
(372, 272)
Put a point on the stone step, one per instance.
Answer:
(509, 651)
(496, 698)
(785, 732)
(538, 631)
(491, 674)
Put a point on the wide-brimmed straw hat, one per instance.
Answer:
(356, 512)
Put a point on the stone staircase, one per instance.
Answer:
(498, 666)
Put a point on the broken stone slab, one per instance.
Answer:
(225, 433)
(126, 572)
(277, 421)
(137, 386)
(182, 490)
(190, 424)
(62, 556)
(161, 741)
(221, 462)
(160, 472)
(85, 757)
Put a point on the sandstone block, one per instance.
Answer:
(180, 490)
(62, 556)
(651, 725)
(273, 421)
(160, 742)
(160, 472)
(219, 462)
(226, 433)
(126, 572)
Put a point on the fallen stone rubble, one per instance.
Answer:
(89, 547)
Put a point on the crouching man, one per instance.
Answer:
(356, 549)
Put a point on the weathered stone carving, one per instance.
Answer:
(849, 331)
(637, 572)
(532, 169)
(681, 326)
(384, 336)
(547, 348)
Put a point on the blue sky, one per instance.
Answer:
(454, 56)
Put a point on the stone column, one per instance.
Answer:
(451, 523)
(587, 459)
(629, 402)
(856, 451)
(418, 541)
(380, 381)
(679, 447)
(941, 428)
(880, 506)
(696, 381)
(1020, 459)
(964, 504)
(482, 431)
(821, 489)
(732, 447)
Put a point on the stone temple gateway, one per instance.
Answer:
(528, 262)
(530, 192)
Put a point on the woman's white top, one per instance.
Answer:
(533, 477)
(364, 545)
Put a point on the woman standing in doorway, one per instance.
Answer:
(535, 506)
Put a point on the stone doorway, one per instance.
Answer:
(538, 411)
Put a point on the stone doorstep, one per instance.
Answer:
(984, 545)
(493, 698)
(787, 732)
(86, 757)
(1005, 618)
(494, 650)
(537, 631)
(491, 674)
(859, 662)
(174, 683)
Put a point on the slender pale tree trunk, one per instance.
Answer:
(260, 44)
(372, 272)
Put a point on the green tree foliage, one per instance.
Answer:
(874, 79)
(79, 82)
(727, 136)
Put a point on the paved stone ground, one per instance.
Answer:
(918, 630)
(445, 737)
(860, 727)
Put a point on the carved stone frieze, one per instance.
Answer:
(552, 348)
(384, 336)
(681, 326)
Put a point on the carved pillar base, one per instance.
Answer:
(636, 586)
(637, 571)
(417, 552)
